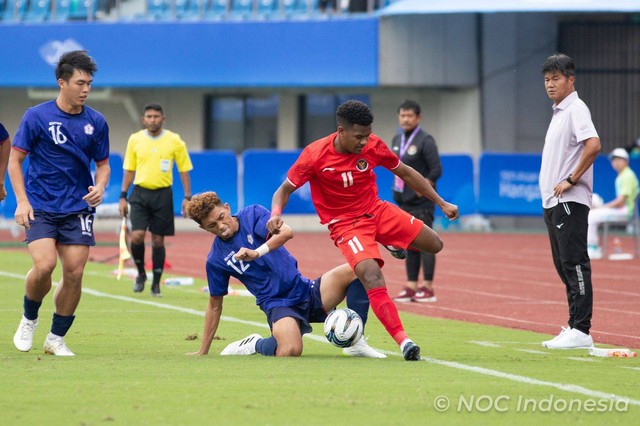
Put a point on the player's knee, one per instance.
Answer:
(437, 244)
(289, 350)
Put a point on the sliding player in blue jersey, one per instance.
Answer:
(290, 301)
(57, 198)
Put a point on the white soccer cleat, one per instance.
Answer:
(362, 349)
(54, 345)
(23, 339)
(246, 346)
(570, 338)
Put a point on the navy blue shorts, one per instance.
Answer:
(67, 229)
(309, 311)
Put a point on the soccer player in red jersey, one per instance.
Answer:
(339, 169)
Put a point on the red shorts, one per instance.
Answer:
(387, 224)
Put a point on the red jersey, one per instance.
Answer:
(342, 185)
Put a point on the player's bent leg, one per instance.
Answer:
(287, 333)
(246, 346)
(334, 285)
(427, 241)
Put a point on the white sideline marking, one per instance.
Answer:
(633, 368)
(484, 343)
(575, 358)
(452, 364)
(533, 351)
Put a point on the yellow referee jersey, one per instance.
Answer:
(152, 158)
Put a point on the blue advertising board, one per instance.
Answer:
(264, 171)
(198, 54)
(508, 184)
(456, 184)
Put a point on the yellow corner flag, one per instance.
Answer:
(124, 251)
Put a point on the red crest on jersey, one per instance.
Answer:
(362, 165)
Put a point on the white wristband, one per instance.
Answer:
(262, 250)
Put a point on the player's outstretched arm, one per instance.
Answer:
(211, 321)
(418, 183)
(278, 203)
(278, 240)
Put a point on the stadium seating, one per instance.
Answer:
(82, 9)
(215, 9)
(63, 10)
(241, 8)
(157, 9)
(14, 10)
(267, 8)
(187, 10)
(38, 11)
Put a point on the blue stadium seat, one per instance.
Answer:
(39, 11)
(82, 9)
(187, 10)
(241, 8)
(14, 10)
(157, 9)
(215, 9)
(267, 8)
(2, 4)
(63, 10)
(307, 6)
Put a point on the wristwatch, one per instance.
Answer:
(571, 181)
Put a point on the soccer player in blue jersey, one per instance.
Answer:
(242, 249)
(5, 149)
(56, 200)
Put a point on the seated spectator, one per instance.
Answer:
(620, 208)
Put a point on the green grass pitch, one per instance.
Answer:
(131, 369)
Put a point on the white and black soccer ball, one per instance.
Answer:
(343, 327)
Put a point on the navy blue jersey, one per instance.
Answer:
(273, 279)
(61, 147)
(3, 133)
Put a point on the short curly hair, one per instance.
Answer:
(354, 112)
(201, 205)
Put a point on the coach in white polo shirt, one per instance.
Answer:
(566, 184)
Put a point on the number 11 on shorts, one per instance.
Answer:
(355, 245)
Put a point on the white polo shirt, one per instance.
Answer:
(570, 126)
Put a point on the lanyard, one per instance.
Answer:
(405, 143)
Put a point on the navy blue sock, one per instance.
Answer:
(31, 308)
(61, 325)
(358, 300)
(267, 347)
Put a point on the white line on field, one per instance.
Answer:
(452, 364)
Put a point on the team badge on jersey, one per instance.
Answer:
(88, 129)
(250, 238)
(362, 165)
(412, 150)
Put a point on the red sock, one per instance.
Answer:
(386, 311)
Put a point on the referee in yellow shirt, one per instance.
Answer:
(149, 158)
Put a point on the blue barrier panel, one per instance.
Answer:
(456, 184)
(233, 53)
(264, 171)
(509, 184)
(212, 171)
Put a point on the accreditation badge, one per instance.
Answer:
(165, 165)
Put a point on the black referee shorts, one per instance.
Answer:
(152, 209)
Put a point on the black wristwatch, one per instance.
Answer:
(571, 181)
(123, 194)
(187, 197)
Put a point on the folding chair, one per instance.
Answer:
(633, 223)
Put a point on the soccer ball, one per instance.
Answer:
(343, 327)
